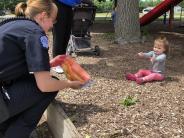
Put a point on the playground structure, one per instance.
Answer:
(159, 10)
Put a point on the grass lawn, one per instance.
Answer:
(103, 16)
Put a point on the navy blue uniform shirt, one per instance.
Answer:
(23, 49)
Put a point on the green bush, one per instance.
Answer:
(181, 4)
(144, 4)
(103, 6)
(9, 4)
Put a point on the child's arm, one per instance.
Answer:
(160, 58)
(140, 54)
(146, 55)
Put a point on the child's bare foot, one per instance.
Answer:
(130, 76)
(139, 81)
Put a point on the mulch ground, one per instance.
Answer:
(98, 111)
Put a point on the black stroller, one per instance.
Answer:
(80, 39)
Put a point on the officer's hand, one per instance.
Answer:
(76, 84)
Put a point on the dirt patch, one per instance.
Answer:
(97, 111)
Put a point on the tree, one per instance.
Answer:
(127, 27)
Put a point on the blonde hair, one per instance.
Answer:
(164, 41)
(20, 9)
(34, 7)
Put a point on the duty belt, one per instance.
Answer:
(3, 85)
(4, 98)
(6, 83)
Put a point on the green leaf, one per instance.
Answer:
(128, 101)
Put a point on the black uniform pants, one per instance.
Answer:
(62, 29)
(26, 106)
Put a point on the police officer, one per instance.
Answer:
(26, 85)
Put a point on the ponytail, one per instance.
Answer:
(20, 9)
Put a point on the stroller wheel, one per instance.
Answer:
(69, 51)
(97, 50)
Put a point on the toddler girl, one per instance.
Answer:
(157, 59)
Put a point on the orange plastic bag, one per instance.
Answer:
(71, 68)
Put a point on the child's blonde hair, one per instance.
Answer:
(164, 41)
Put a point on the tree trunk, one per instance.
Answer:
(127, 26)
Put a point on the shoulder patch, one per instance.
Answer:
(44, 41)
